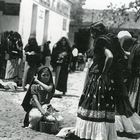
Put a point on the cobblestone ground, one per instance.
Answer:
(12, 114)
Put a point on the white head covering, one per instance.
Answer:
(122, 34)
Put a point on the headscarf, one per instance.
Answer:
(125, 39)
(32, 41)
(26, 101)
(122, 34)
(59, 43)
(98, 28)
(59, 49)
(40, 70)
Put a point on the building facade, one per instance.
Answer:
(47, 19)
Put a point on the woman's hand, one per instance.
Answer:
(90, 62)
(27, 53)
(35, 78)
(19, 61)
(63, 54)
(32, 53)
(14, 52)
(46, 114)
(99, 78)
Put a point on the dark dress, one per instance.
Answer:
(2, 62)
(126, 120)
(60, 61)
(28, 101)
(96, 110)
(33, 62)
(46, 54)
(33, 59)
(134, 89)
(14, 53)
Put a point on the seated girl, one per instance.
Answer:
(41, 92)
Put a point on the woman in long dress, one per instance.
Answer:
(60, 61)
(134, 80)
(127, 120)
(32, 62)
(46, 53)
(14, 51)
(96, 110)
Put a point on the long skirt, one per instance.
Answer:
(61, 77)
(2, 68)
(127, 121)
(134, 94)
(47, 60)
(12, 69)
(96, 111)
(29, 73)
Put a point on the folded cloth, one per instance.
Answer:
(64, 131)
(8, 85)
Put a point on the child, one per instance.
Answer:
(41, 92)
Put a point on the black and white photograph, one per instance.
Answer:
(69, 69)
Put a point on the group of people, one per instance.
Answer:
(20, 65)
(36, 102)
(10, 56)
(109, 104)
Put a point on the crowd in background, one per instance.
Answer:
(19, 63)
(109, 104)
(11, 54)
(110, 101)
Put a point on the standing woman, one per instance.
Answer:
(127, 120)
(14, 52)
(96, 110)
(32, 62)
(134, 67)
(74, 58)
(60, 61)
(3, 53)
(46, 53)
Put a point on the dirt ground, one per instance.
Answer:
(12, 114)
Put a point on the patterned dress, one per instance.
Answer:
(96, 110)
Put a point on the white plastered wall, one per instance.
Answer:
(55, 23)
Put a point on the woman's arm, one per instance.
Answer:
(39, 105)
(108, 60)
(32, 53)
(127, 53)
(130, 60)
(107, 64)
(46, 87)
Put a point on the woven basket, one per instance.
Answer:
(49, 127)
